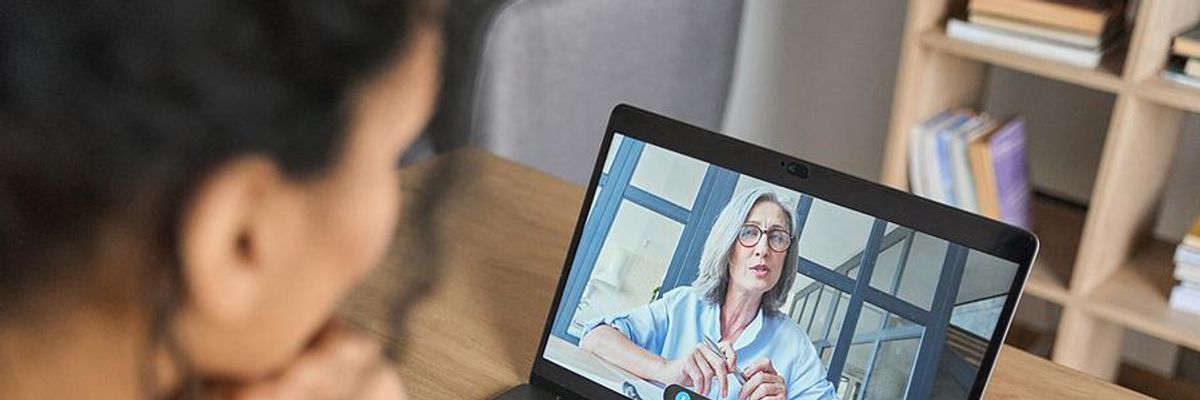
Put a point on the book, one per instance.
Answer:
(1011, 168)
(985, 175)
(944, 168)
(1071, 38)
(1180, 78)
(916, 144)
(1192, 67)
(1086, 16)
(1187, 44)
(964, 181)
(1024, 44)
(1187, 255)
(1185, 299)
(1192, 239)
(1187, 273)
(939, 182)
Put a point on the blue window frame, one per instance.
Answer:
(614, 187)
(930, 326)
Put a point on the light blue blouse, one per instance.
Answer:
(673, 325)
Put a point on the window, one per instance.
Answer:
(883, 313)
(645, 225)
(630, 265)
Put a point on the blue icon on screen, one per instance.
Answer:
(682, 396)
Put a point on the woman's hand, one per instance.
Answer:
(699, 368)
(763, 382)
(340, 364)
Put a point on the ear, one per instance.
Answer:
(220, 239)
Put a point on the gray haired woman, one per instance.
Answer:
(746, 272)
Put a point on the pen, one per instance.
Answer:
(712, 345)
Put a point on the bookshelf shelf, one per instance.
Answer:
(1095, 262)
(1059, 228)
(1170, 94)
(1104, 78)
(1135, 297)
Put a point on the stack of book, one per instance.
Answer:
(1186, 295)
(1076, 32)
(975, 162)
(1184, 64)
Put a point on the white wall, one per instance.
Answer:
(815, 79)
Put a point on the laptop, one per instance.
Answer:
(705, 267)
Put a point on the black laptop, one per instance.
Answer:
(705, 267)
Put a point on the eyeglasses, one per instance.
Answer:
(778, 240)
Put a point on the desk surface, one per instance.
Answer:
(475, 334)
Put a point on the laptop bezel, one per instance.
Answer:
(968, 229)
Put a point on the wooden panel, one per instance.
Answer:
(1169, 94)
(1088, 344)
(1104, 79)
(1136, 297)
(1154, 385)
(1021, 383)
(1158, 21)
(1133, 168)
(1058, 227)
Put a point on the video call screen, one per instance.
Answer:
(692, 274)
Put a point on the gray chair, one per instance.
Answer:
(534, 80)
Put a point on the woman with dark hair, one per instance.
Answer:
(188, 188)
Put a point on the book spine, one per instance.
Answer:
(964, 185)
(916, 181)
(932, 169)
(985, 179)
(1181, 79)
(1192, 68)
(1192, 241)
(1185, 299)
(945, 167)
(1187, 255)
(916, 153)
(1050, 33)
(1011, 167)
(1048, 13)
(933, 185)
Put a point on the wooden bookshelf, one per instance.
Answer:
(1059, 228)
(1105, 79)
(1097, 263)
(1170, 94)
(1135, 297)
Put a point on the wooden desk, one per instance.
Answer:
(476, 333)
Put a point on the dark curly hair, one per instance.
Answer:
(111, 106)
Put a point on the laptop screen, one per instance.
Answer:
(693, 274)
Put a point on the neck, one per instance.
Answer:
(75, 353)
(738, 310)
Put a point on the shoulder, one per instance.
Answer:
(682, 293)
(682, 296)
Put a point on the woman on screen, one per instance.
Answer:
(746, 272)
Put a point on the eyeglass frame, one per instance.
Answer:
(764, 233)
